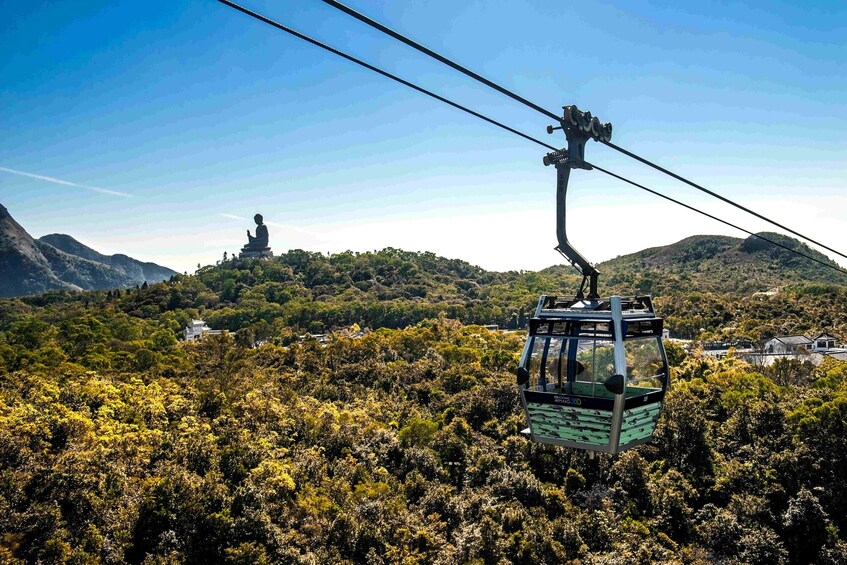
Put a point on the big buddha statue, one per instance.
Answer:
(257, 246)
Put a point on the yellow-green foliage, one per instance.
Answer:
(118, 444)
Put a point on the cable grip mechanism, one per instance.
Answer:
(578, 127)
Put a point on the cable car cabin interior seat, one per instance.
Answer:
(593, 373)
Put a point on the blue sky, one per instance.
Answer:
(182, 119)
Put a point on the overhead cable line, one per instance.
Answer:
(415, 45)
(718, 196)
(726, 223)
(386, 74)
(503, 126)
(503, 90)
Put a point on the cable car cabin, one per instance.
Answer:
(593, 373)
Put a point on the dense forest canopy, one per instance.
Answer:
(317, 293)
(122, 444)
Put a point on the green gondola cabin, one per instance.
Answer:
(593, 373)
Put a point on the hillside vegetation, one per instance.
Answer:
(719, 264)
(120, 444)
(392, 288)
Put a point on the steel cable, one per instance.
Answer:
(503, 90)
(505, 127)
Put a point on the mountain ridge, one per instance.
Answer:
(716, 263)
(59, 262)
(699, 263)
(139, 271)
(21, 256)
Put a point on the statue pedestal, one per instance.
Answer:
(247, 253)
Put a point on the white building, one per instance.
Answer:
(824, 342)
(788, 345)
(197, 329)
(801, 347)
(320, 338)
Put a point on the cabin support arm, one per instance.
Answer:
(579, 127)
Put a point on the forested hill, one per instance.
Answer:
(711, 263)
(315, 292)
(120, 444)
(301, 291)
(394, 288)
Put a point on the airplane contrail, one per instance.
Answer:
(54, 180)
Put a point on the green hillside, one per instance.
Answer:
(300, 292)
(315, 292)
(708, 263)
(118, 443)
(393, 288)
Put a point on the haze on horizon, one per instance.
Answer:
(157, 130)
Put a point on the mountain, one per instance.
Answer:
(137, 271)
(712, 263)
(59, 262)
(82, 272)
(24, 268)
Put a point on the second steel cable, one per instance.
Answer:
(503, 90)
(503, 126)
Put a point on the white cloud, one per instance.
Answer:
(232, 217)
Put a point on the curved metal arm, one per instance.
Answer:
(563, 172)
(578, 127)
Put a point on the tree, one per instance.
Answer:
(806, 527)
(682, 435)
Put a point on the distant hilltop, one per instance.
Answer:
(700, 263)
(58, 261)
(722, 264)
